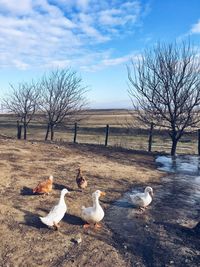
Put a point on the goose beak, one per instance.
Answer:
(102, 194)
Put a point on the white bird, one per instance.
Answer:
(142, 200)
(94, 214)
(57, 212)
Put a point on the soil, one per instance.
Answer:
(25, 241)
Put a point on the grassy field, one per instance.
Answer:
(25, 241)
(91, 130)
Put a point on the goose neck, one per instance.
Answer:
(96, 202)
(62, 200)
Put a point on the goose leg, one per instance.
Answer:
(56, 226)
(141, 209)
(86, 225)
(97, 226)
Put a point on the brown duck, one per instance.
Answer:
(44, 187)
(81, 180)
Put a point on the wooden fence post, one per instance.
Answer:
(75, 131)
(150, 137)
(198, 141)
(19, 130)
(107, 133)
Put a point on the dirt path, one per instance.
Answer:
(24, 240)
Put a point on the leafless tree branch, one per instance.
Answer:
(63, 96)
(23, 101)
(164, 86)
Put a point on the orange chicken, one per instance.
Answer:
(44, 187)
(81, 180)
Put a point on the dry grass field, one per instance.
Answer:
(25, 241)
(91, 130)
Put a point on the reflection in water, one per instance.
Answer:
(179, 164)
(155, 236)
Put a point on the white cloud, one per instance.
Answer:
(43, 33)
(83, 4)
(20, 65)
(24, 7)
(196, 28)
(105, 60)
(116, 61)
(126, 13)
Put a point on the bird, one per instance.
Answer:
(44, 187)
(57, 212)
(94, 214)
(142, 200)
(81, 180)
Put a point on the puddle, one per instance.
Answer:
(162, 235)
(179, 164)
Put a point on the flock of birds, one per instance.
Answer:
(91, 215)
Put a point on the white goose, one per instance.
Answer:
(57, 212)
(142, 200)
(94, 214)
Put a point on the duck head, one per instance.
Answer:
(149, 190)
(64, 191)
(51, 178)
(98, 194)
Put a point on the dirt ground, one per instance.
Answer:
(25, 241)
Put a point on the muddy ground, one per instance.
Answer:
(25, 241)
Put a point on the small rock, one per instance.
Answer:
(77, 239)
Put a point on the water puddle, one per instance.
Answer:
(162, 235)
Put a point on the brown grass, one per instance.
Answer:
(24, 240)
(91, 130)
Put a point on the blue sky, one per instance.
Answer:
(96, 38)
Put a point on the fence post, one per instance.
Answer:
(199, 142)
(19, 130)
(107, 133)
(150, 137)
(75, 131)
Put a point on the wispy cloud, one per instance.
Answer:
(41, 33)
(119, 16)
(105, 60)
(195, 28)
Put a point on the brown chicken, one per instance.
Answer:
(81, 180)
(44, 187)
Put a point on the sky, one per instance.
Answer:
(98, 39)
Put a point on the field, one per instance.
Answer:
(25, 241)
(91, 130)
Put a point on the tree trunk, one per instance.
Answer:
(75, 131)
(52, 132)
(19, 130)
(199, 142)
(107, 133)
(47, 132)
(150, 137)
(25, 130)
(174, 145)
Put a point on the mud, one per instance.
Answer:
(164, 234)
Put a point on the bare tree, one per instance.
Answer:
(165, 88)
(63, 96)
(23, 101)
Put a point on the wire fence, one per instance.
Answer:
(108, 135)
